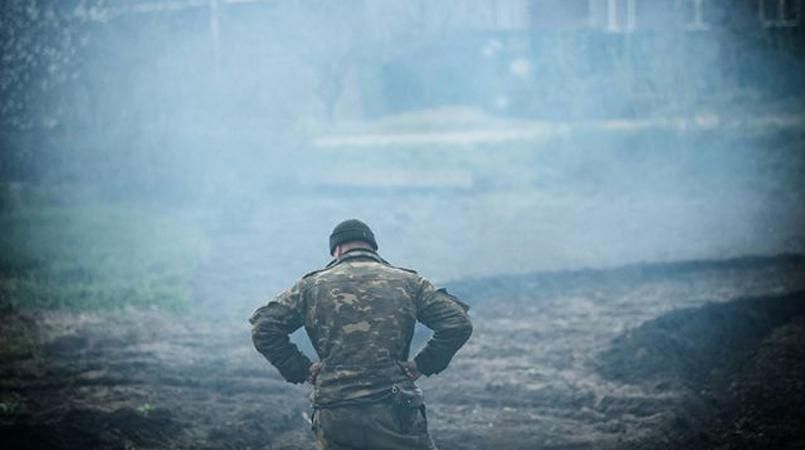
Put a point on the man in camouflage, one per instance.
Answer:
(359, 312)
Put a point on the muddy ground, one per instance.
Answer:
(684, 355)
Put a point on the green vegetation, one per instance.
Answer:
(96, 257)
(145, 409)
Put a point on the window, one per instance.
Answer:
(694, 15)
(780, 13)
(620, 16)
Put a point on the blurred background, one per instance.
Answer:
(615, 186)
(190, 151)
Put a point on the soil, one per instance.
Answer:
(703, 354)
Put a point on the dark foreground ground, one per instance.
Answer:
(687, 355)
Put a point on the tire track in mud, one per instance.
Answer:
(531, 376)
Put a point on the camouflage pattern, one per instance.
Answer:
(359, 313)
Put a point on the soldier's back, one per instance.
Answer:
(360, 317)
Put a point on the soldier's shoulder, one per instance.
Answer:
(405, 269)
(329, 266)
(313, 273)
(441, 295)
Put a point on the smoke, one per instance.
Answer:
(475, 138)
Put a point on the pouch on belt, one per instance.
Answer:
(408, 400)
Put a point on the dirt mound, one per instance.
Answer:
(696, 345)
(741, 364)
(763, 406)
(766, 402)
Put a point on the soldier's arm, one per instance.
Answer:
(448, 318)
(271, 326)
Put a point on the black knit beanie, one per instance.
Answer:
(351, 230)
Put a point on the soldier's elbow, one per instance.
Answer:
(465, 331)
(259, 344)
(262, 339)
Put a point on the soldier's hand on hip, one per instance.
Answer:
(313, 372)
(410, 369)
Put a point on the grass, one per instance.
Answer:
(96, 257)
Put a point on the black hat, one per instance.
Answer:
(351, 230)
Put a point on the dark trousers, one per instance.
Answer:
(376, 426)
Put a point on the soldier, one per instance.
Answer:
(359, 312)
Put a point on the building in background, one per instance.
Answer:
(264, 62)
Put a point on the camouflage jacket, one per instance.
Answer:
(359, 313)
